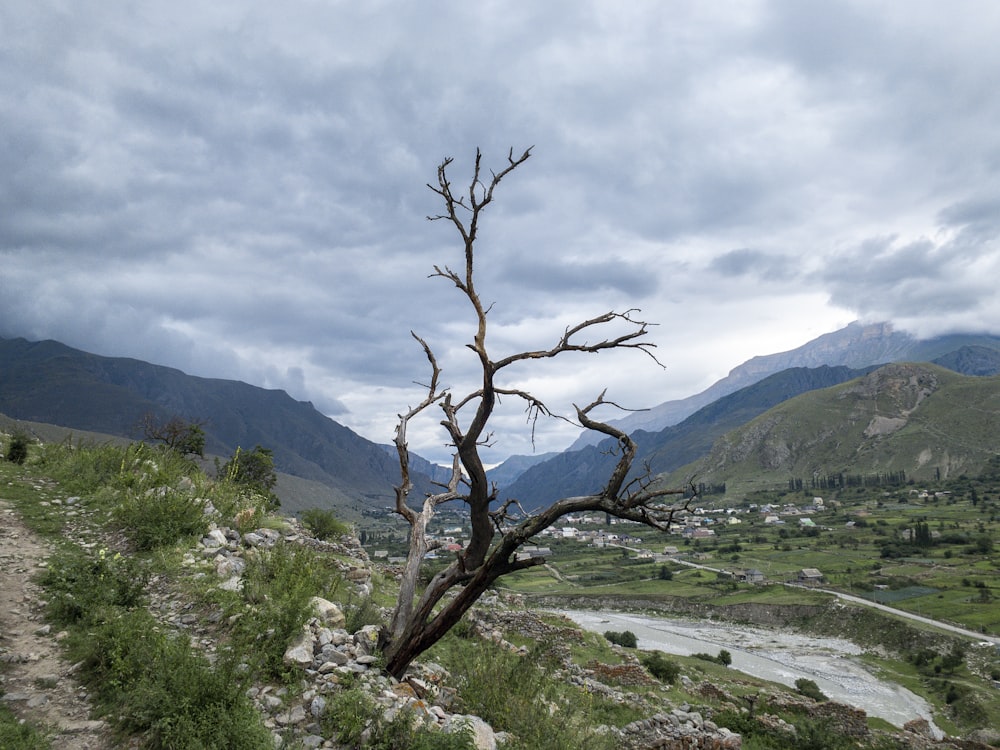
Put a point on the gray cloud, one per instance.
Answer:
(238, 189)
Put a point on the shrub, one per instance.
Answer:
(15, 735)
(323, 524)
(664, 669)
(626, 638)
(723, 657)
(160, 516)
(17, 448)
(518, 694)
(277, 587)
(359, 722)
(810, 689)
(82, 586)
(150, 682)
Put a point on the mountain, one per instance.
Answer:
(857, 345)
(49, 382)
(917, 418)
(584, 471)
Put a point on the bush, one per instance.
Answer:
(518, 694)
(150, 682)
(160, 516)
(664, 669)
(82, 586)
(17, 448)
(723, 657)
(17, 736)
(359, 722)
(323, 524)
(277, 587)
(810, 689)
(626, 638)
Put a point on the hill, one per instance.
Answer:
(919, 419)
(856, 346)
(583, 471)
(52, 383)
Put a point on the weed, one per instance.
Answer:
(17, 736)
(160, 516)
(519, 695)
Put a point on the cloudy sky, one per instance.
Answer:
(238, 189)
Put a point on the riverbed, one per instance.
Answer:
(779, 656)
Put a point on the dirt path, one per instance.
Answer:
(36, 681)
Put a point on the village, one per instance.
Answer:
(696, 527)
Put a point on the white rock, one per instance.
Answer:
(483, 737)
(328, 612)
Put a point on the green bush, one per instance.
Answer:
(626, 638)
(146, 681)
(160, 516)
(518, 694)
(323, 524)
(664, 669)
(810, 689)
(277, 587)
(17, 448)
(81, 586)
(359, 722)
(17, 736)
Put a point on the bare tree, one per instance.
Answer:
(421, 618)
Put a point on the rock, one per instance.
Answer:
(483, 737)
(214, 539)
(919, 726)
(295, 715)
(300, 653)
(317, 706)
(328, 613)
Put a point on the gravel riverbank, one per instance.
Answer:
(779, 656)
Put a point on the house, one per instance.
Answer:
(671, 551)
(751, 575)
(810, 576)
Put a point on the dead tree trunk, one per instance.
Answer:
(421, 618)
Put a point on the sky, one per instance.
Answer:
(238, 189)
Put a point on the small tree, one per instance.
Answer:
(254, 470)
(421, 618)
(17, 448)
(187, 438)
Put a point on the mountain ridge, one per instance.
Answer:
(53, 383)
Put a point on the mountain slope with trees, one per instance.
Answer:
(49, 382)
(856, 346)
(899, 422)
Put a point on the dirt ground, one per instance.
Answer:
(36, 681)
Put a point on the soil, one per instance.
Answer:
(36, 681)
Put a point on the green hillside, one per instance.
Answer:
(919, 419)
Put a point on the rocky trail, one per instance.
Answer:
(36, 681)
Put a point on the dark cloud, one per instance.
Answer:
(239, 190)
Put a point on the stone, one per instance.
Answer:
(300, 653)
(327, 612)
(483, 737)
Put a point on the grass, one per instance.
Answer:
(15, 735)
(98, 594)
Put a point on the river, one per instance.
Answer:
(779, 656)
